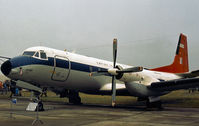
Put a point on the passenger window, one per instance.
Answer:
(43, 55)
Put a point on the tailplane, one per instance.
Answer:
(180, 63)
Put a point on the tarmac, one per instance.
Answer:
(63, 114)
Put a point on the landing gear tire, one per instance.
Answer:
(74, 97)
(40, 106)
(156, 104)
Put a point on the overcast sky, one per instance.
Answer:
(147, 30)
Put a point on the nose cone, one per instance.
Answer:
(6, 67)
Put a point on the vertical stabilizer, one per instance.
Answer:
(180, 63)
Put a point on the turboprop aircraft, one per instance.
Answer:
(68, 74)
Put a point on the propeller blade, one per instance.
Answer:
(113, 91)
(129, 70)
(114, 52)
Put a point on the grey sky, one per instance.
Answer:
(147, 30)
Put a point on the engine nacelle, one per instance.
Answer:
(139, 90)
(113, 71)
(129, 77)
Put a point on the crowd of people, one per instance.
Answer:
(10, 86)
(6, 87)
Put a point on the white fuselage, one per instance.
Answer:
(65, 70)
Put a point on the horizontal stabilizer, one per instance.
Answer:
(189, 75)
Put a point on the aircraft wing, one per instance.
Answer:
(189, 75)
(28, 86)
(175, 84)
(4, 57)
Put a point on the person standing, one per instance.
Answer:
(1, 87)
(5, 88)
(12, 88)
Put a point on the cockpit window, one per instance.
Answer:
(28, 53)
(37, 54)
(43, 55)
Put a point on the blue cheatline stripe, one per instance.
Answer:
(26, 60)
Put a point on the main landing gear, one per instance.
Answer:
(154, 102)
(74, 97)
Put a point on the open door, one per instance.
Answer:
(61, 70)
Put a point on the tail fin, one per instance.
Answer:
(180, 63)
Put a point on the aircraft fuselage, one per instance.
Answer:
(65, 70)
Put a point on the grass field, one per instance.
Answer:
(181, 98)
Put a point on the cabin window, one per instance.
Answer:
(43, 55)
(28, 53)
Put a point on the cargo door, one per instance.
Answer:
(61, 70)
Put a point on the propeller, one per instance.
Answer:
(114, 76)
(115, 71)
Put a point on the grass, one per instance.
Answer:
(91, 99)
(179, 98)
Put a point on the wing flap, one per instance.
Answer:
(175, 84)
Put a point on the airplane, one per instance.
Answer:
(67, 74)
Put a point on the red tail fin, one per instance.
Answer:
(180, 63)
